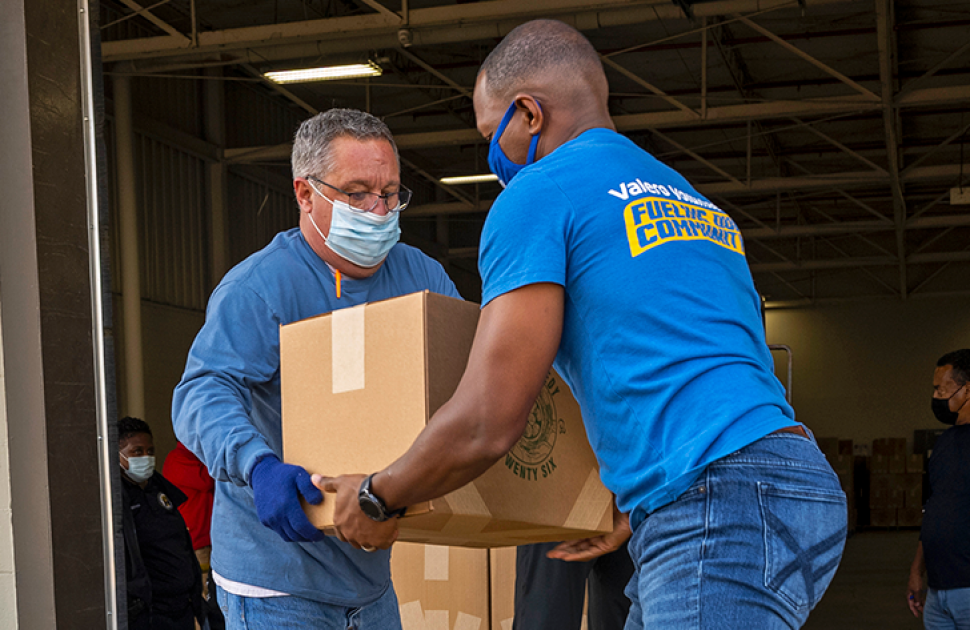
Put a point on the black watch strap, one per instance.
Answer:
(372, 505)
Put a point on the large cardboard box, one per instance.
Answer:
(912, 491)
(889, 455)
(502, 569)
(441, 588)
(886, 490)
(909, 517)
(882, 517)
(915, 464)
(359, 385)
(453, 588)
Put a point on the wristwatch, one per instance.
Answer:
(372, 505)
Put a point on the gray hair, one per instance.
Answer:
(540, 48)
(311, 144)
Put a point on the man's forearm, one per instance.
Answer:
(516, 340)
(456, 447)
(918, 568)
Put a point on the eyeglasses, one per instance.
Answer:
(367, 201)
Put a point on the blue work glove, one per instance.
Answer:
(276, 491)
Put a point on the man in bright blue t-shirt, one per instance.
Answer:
(273, 569)
(604, 259)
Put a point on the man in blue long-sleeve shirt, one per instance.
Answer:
(272, 567)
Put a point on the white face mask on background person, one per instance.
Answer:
(363, 238)
(140, 469)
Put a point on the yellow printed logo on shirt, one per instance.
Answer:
(653, 221)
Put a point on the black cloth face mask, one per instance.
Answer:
(941, 409)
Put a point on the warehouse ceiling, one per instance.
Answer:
(832, 131)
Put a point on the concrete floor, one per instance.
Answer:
(869, 590)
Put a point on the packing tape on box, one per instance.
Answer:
(588, 509)
(471, 514)
(468, 622)
(507, 624)
(436, 563)
(436, 620)
(412, 617)
(347, 349)
(467, 501)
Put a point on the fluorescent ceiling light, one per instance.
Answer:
(351, 71)
(470, 179)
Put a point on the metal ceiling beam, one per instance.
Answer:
(650, 86)
(660, 120)
(434, 71)
(855, 227)
(810, 59)
(839, 145)
(173, 33)
(939, 66)
(380, 8)
(933, 151)
(832, 181)
(697, 157)
(279, 89)
(866, 261)
(429, 26)
(808, 265)
(888, 58)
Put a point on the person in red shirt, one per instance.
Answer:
(190, 475)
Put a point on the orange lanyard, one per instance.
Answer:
(337, 275)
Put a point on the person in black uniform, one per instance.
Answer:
(944, 547)
(163, 576)
(549, 593)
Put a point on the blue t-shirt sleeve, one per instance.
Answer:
(236, 350)
(524, 238)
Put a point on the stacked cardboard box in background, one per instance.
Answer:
(839, 454)
(454, 588)
(895, 485)
(441, 587)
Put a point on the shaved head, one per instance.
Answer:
(551, 80)
(543, 53)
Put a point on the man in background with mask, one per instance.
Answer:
(164, 581)
(944, 548)
(272, 568)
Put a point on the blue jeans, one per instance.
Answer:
(753, 543)
(297, 613)
(947, 610)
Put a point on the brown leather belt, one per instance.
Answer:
(796, 430)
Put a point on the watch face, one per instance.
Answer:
(369, 507)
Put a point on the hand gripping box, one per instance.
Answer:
(360, 383)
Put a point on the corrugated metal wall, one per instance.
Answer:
(173, 224)
(252, 119)
(176, 103)
(257, 211)
(173, 189)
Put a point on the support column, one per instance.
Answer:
(130, 267)
(215, 133)
(49, 396)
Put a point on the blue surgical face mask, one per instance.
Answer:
(498, 162)
(363, 238)
(140, 469)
